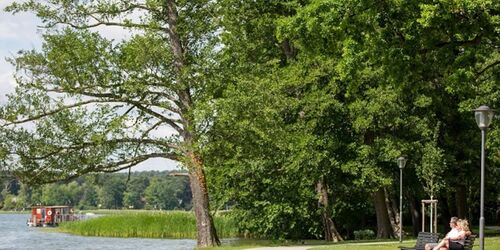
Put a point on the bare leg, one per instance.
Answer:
(441, 244)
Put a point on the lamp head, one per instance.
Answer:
(401, 162)
(484, 116)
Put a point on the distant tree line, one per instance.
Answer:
(141, 190)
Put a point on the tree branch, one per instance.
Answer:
(100, 17)
(88, 26)
(169, 121)
(61, 149)
(127, 163)
(475, 41)
(145, 133)
(52, 112)
(488, 67)
(116, 98)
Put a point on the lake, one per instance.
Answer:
(15, 234)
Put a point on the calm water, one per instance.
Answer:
(14, 234)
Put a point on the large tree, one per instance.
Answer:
(281, 153)
(400, 75)
(85, 103)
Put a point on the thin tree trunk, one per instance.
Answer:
(330, 231)
(384, 229)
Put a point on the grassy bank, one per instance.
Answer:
(15, 212)
(175, 225)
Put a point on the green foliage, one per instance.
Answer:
(340, 89)
(9, 202)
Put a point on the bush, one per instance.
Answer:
(366, 234)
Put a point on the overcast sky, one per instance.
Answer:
(20, 32)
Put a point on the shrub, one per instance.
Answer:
(366, 234)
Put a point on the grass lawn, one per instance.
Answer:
(491, 243)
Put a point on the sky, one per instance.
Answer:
(20, 32)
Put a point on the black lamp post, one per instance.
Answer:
(484, 116)
(401, 163)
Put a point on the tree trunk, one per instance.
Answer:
(392, 212)
(206, 232)
(415, 219)
(330, 231)
(461, 201)
(384, 229)
(446, 211)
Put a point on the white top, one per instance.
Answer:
(454, 233)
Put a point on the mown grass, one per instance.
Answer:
(491, 243)
(172, 225)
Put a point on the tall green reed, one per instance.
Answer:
(173, 224)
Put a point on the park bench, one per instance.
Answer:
(422, 239)
(469, 242)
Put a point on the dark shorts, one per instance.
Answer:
(455, 245)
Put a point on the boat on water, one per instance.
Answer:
(43, 216)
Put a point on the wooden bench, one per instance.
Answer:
(422, 239)
(469, 242)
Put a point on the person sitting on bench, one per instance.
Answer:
(455, 242)
(452, 233)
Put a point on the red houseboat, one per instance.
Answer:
(50, 215)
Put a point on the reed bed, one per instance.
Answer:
(174, 225)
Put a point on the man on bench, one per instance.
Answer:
(453, 232)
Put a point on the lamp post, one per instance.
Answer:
(401, 163)
(484, 116)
